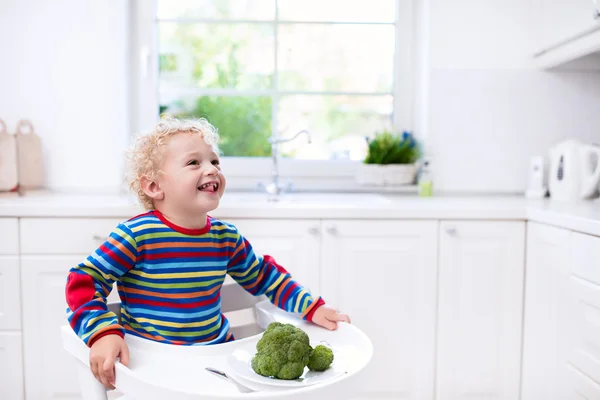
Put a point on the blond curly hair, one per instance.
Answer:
(146, 154)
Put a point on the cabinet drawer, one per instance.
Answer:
(64, 235)
(585, 257)
(11, 366)
(9, 236)
(10, 294)
(584, 345)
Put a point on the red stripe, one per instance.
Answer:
(271, 260)
(109, 332)
(173, 304)
(318, 304)
(157, 256)
(238, 260)
(114, 256)
(287, 294)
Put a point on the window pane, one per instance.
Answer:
(356, 58)
(217, 9)
(339, 124)
(244, 123)
(337, 10)
(237, 56)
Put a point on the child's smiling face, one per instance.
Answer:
(190, 177)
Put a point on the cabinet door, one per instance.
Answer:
(480, 309)
(10, 294)
(11, 366)
(560, 21)
(49, 371)
(294, 244)
(9, 232)
(383, 274)
(546, 310)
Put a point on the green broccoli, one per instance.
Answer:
(282, 352)
(320, 359)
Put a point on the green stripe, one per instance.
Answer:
(127, 237)
(171, 285)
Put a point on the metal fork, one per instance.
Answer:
(221, 374)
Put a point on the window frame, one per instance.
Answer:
(245, 173)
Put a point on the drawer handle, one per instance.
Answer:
(98, 238)
(332, 230)
(313, 230)
(451, 230)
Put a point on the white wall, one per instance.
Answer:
(485, 109)
(63, 65)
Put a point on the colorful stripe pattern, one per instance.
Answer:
(169, 280)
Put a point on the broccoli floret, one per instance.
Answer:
(282, 352)
(320, 359)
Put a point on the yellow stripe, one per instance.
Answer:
(126, 237)
(246, 271)
(297, 305)
(92, 320)
(178, 274)
(178, 324)
(100, 326)
(98, 275)
(276, 283)
(171, 333)
(306, 300)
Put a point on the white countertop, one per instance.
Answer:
(582, 216)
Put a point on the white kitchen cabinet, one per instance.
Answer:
(49, 371)
(294, 244)
(383, 274)
(559, 21)
(481, 272)
(565, 30)
(10, 293)
(545, 331)
(9, 236)
(583, 350)
(11, 366)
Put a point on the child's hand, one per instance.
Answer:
(328, 317)
(103, 354)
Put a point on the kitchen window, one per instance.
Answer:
(257, 68)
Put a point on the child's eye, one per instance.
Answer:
(192, 162)
(215, 162)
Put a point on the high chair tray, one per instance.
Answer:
(161, 371)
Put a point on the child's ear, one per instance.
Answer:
(152, 189)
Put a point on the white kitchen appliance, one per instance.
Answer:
(536, 188)
(574, 171)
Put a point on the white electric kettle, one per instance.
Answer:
(573, 175)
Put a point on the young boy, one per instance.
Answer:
(170, 262)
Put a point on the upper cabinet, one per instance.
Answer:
(565, 31)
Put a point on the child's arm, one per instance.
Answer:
(262, 275)
(90, 283)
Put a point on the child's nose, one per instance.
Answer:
(211, 169)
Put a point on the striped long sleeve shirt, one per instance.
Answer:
(169, 280)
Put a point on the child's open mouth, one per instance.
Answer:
(209, 187)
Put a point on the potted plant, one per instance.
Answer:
(391, 160)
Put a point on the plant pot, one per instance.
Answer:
(400, 174)
(370, 175)
(386, 175)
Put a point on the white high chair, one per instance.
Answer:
(159, 371)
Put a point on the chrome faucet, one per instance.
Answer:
(274, 189)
